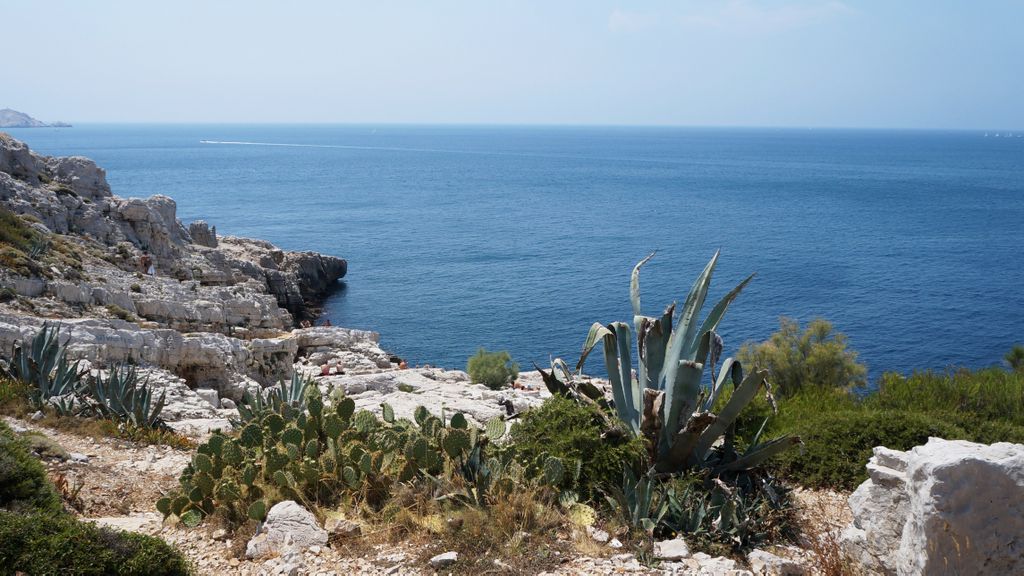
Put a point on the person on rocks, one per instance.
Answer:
(146, 262)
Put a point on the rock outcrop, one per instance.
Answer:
(217, 314)
(948, 507)
(70, 196)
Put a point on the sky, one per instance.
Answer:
(799, 63)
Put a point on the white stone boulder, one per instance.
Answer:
(943, 508)
(764, 563)
(674, 549)
(288, 526)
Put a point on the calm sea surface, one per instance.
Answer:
(519, 238)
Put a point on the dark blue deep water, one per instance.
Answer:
(519, 238)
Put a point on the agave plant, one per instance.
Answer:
(639, 501)
(291, 393)
(43, 365)
(120, 396)
(665, 397)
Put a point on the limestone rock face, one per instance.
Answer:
(288, 525)
(942, 508)
(17, 160)
(71, 196)
(202, 234)
(82, 174)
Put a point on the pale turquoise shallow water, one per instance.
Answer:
(519, 238)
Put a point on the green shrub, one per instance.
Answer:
(576, 434)
(1015, 358)
(24, 486)
(815, 357)
(988, 394)
(43, 543)
(44, 447)
(838, 444)
(119, 312)
(839, 429)
(493, 369)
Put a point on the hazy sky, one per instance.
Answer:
(885, 63)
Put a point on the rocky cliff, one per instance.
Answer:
(217, 312)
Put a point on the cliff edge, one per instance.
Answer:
(216, 312)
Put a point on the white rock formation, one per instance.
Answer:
(948, 507)
(288, 525)
(435, 389)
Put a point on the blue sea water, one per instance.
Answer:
(519, 238)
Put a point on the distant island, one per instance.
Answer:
(14, 119)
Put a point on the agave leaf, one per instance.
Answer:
(742, 396)
(598, 332)
(634, 284)
(651, 344)
(715, 316)
(757, 455)
(680, 399)
(631, 389)
(685, 333)
(554, 384)
(731, 369)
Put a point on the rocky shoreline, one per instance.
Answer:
(205, 318)
(220, 316)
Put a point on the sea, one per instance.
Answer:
(518, 238)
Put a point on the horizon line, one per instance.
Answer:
(515, 125)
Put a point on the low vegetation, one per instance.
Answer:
(38, 537)
(29, 252)
(840, 425)
(577, 434)
(496, 370)
(23, 483)
(818, 356)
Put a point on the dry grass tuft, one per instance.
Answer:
(821, 517)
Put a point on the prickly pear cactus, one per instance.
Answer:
(554, 471)
(495, 428)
